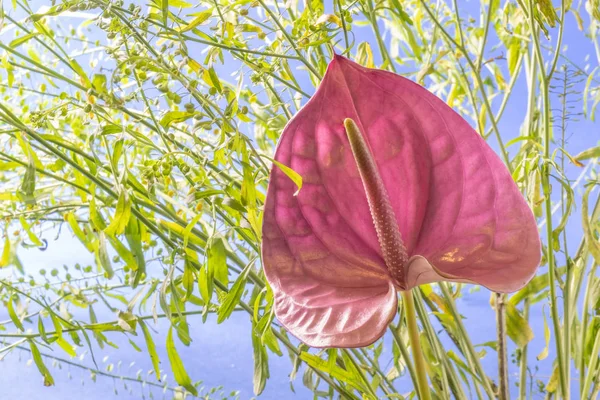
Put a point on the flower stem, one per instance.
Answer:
(413, 334)
(502, 361)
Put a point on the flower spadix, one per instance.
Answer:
(398, 190)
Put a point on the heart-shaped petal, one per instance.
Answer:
(460, 215)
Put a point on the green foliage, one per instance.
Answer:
(147, 134)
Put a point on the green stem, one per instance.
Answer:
(380, 43)
(447, 381)
(488, 17)
(544, 88)
(502, 359)
(470, 353)
(290, 40)
(413, 334)
(523, 361)
(404, 351)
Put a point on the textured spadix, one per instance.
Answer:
(444, 198)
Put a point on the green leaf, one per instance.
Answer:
(177, 3)
(586, 90)
(85, 81)
(592, 243)
(552, 384)
(110, 129)
(248, 28)
(66, 346)
(188, 278)
(205, 283)
(32, 236)
(57, 325)
(232, 298)
(151, 348)
(200, 18)
(180, 230)
(6, 259)
(189, 227)
(42, 329)
(593, 360)
(102, 256)
(335, 371)
(179, 372)
(99, 83)
(9, 69)
(122, 215)
(127, 321)
(544, 353)
(589, 153)
(290, 173)
(117, 153)
(13, 315)
(537, 285)
(517, 327)
(37, 359)
(19, 41)
(216, 255)
(27, 188)
(79, 233)
(133, 234)
(261, 365)
(174, 117)
(95, 217)
(123, 252)
(214, 79)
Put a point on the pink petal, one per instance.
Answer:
(323, 299)
(460, 214)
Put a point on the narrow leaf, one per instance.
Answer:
(179, 372)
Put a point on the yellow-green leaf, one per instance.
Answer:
(180, 230)
(290, 173)
(517, 327)
(592, 243)
(214, 79)
(335, 371)
(174, 117)
(19, 41)
(85, 81)
(261, 365)
(10, 307)
(6, 253)
(151, 348)
(200, 18)
(179, 372)
(232, 298)
(37, 359)
(544, 353)
(66, 346)
(122, 215)
(99, 83)
(72, 220)
(32, 236)
(216, 255)
(102, 256)
(589, 153)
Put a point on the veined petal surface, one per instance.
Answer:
(460, 214)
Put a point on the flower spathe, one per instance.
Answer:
(398, 190)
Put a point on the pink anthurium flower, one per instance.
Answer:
(398, 190)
